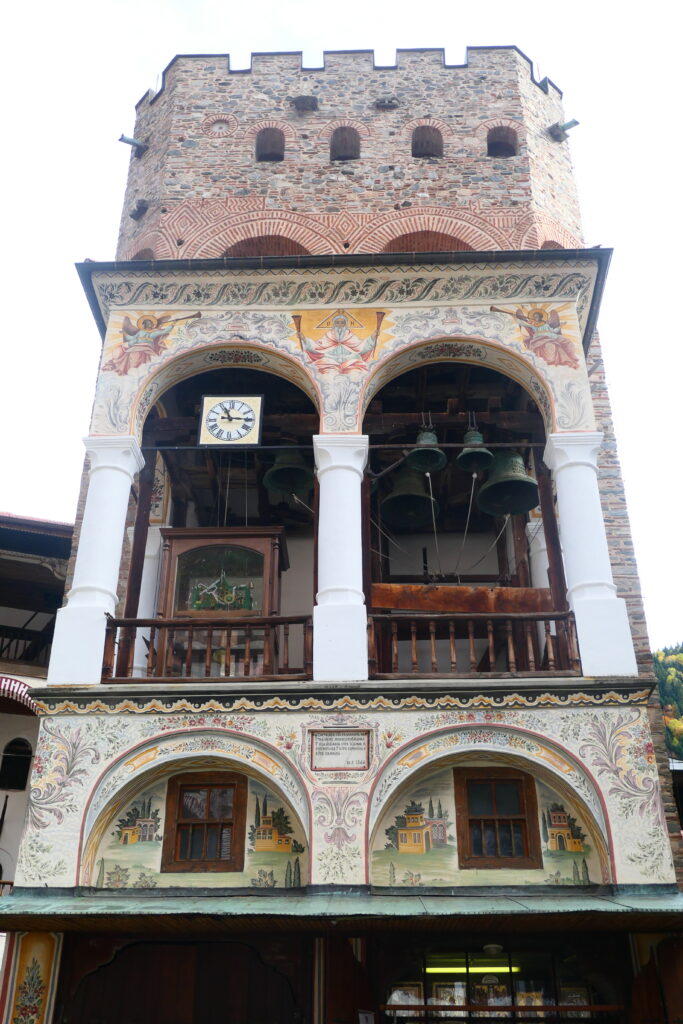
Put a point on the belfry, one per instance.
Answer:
(347, 713)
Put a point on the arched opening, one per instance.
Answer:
(551, 244)
(15, 767)
(427, 141)
(502, 142)
(345, 144)
(229, 486)
(426, 241)
(266, 245)
(452, 520)
(270, 145)
(143, 254)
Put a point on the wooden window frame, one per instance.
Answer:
(534, 856)
(169, 860)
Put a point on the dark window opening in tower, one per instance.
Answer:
(427, 141)
(426, 241)
(15, 766)
(502, 142)
(270, 145)
(551, 244)
(345, 144)
(266, 245)
(143, 254)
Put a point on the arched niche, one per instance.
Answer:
(138, 781)
(266, 245)
(426, 241)
(425, 777)
(463, 350)
(202, 358)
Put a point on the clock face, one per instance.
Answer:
(231, 420)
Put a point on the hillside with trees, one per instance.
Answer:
(668, 665)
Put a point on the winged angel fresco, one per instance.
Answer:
(142, 340)
(542, 334)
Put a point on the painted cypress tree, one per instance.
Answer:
(257, 815)
(575, 873)
(585, 877)
(439, 812)
(431, 808)
(288, 875)
(392, 873)
(265, 805)
(99, 884)
(544, 828)
(296, 875)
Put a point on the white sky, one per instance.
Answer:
(72, 73)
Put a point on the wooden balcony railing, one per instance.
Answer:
(462, 644)
(266, 648)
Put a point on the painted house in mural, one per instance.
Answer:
(353, 623)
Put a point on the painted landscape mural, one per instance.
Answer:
(416, 843)
(275, 854)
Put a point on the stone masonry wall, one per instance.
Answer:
(200, 170)
(625, 572)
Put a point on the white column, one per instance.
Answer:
(539, 564)
(79, 629)
(147, 602)
(605, 641)
(340, 646)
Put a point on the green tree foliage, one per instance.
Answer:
(281, 822)
(264, 809)
(668, 666)
(288, 875)
(430, 811)
(575, 872)
(392, 873)
(414, 808)
(257, 814)
(297, 847)
(439, 811)
(296, 874)
(544, 827)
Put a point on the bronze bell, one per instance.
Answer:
(408, 507)
(426, 457)
(509, 489)
(289, 473)
(474, 459)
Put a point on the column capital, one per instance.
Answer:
(573, 449)
(340, 451)
(114, 451)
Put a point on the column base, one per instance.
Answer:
(604, 634)
(78, 645)
(340, 643)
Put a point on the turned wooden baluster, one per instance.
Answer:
(550, 650)
(454, 653)
(247, 650)
(512, 660)
(573, 646)
(151, 650)
(208, 653)
(473, 656)
(285, 647)
(432, 645)
(188, 652)
(167, 668)
(413, 646)
(492, 646)
(528, 630)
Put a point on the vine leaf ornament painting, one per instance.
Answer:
(142, 340)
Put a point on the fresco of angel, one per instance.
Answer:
(542, 334)
(142, 341)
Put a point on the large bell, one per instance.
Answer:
(509, 489)
(289, 473)
(408, 507)
(474, 458)
(426, 458)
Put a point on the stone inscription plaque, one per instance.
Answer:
(340, 750)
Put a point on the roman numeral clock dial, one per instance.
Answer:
(231, 420)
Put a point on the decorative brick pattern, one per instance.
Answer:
(190, 163)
